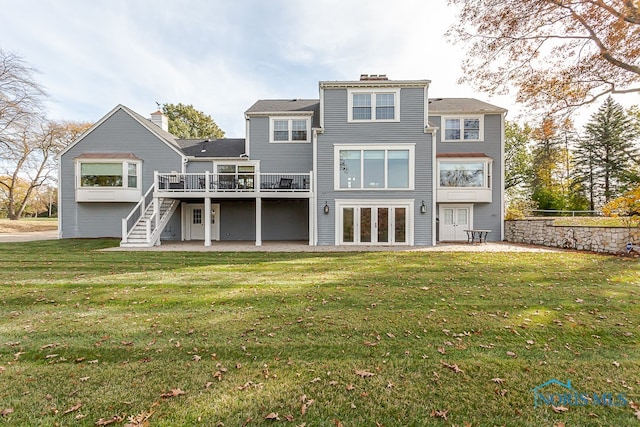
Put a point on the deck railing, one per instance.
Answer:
(232, 182)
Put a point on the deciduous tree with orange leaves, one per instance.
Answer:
(557, 54)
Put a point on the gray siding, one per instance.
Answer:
(485, 215)
(120, 133)
(199, 166)
(410, 130)
(277, 157)
(285, 219)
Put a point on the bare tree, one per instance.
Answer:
(558, 54)
(30, 163)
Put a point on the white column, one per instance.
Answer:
(312, 220)
(207, 221)
(258, 221)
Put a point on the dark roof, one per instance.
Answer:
(288, 106)
(461, 106)
(227, 147)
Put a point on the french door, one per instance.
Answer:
(454, 220)
(374, 224)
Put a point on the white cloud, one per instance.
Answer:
(221, 56)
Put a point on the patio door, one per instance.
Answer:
(373, 224)
(454, 220)
(195, 222)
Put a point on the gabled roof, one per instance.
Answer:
(227, 147)
(439, 106)
(284, 106)
(166, 137)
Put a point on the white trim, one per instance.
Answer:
(462, 117)
(290, 120)
(434, 175)
(373, 84)
(59, 196)
(207, 221)
(502, 174)
(364, 147)
(258, 221)
(409, 204)
(373, 92)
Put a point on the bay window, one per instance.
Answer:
(112, 177)
(464, 179)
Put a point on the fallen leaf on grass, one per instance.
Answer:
(103, 422)
(272, 416)
(511, 354)
(560, 424)
(338, 423)
(616, 364)
(305, 404)
(173, 393)
(559, 409)
(497, 380)
(72, 409)
(140, 420)
(530, 342)
(453, 367)
(364, 374)
(6, 412)
(440, 414)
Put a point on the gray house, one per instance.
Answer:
(371, 162)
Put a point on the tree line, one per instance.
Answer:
(555, 166)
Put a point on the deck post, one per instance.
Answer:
(207, 221)
(258, 221)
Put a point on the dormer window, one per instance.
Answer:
(367, 105)
(290, 129)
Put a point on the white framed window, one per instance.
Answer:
(467, 173)
(463, 128)
(289, 129)
(109, 174)
(108, 180)
(367, 105)
(374, 167)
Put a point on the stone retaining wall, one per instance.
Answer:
(541, 231)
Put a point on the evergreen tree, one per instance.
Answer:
(607, 156)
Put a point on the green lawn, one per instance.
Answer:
(326, 339)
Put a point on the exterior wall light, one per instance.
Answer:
(423, 208)
(326, 208)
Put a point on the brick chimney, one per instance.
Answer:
(159, 119)
(374, 77)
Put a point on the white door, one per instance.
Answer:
(454, 220)
(195, 222)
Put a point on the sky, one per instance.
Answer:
(223, 55)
